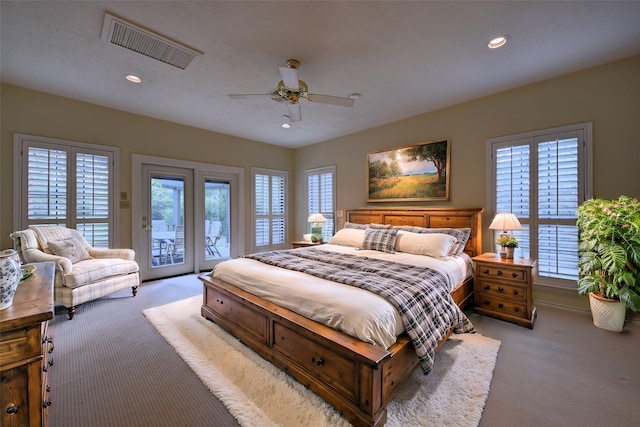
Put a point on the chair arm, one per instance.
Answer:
(36, 255)
(128, 254)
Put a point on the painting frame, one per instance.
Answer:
(410, 173)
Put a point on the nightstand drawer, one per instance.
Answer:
(503, 290)
(502, 272)
(501, 305)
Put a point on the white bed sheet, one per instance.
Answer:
(352, 310)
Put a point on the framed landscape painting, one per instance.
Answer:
(417, 172)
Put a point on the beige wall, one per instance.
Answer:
(608, 95)
(36, 113)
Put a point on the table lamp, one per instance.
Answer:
(506, 221)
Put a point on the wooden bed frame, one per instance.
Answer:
(357, 378)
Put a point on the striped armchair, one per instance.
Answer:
(82, 273)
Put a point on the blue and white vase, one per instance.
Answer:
(10, 275)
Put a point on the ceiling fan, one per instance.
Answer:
(290, 90)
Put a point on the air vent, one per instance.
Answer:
(130, 36)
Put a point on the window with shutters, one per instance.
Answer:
(321, 197)
(68, 184)
(269, 209)
(542, 177)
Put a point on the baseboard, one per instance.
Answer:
(569, 299)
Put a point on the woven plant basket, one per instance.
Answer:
(607, 313)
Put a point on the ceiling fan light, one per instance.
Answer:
(498, 41)
(286, 123)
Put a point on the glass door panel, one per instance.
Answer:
(167, 222)
(216, 219)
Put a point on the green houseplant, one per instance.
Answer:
(609, 249)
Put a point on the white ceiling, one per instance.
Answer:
(404, 58)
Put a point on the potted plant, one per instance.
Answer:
(609, 265)
(508, 244)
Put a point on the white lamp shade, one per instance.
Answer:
(505, 221)
(316, 217)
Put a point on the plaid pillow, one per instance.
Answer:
(378, 239)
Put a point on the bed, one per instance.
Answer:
(358, 378)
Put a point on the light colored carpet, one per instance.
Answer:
(257, 393)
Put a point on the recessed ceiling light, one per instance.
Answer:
(133, 78)
(498, 41)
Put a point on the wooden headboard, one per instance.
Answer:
(428, 218)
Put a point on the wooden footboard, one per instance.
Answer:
(357, 378)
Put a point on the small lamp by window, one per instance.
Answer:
(316, 221)
(506, 222)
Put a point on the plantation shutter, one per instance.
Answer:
(321, 197)
(541, 177)
(46, 195)
(270, 208)
(558, 189)
(67, 184)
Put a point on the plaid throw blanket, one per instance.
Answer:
(419, 294)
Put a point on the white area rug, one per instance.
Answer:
(258, 394)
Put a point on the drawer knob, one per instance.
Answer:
(516, 309)
(501, 305)
(486, 288)
(514, 275)
(515, 292)
(318, 362)
(499, 273)
(486, 272)
(12, 409)
(500, 289)
(487, 302)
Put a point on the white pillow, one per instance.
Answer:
(435, 245)
(348, 237)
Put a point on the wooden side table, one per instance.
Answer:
(503, 288)
(25, 351)
(304, 244)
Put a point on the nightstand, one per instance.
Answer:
(503, 288)
(304, 243)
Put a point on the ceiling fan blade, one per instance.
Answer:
(329, 99)
(247, 95)
(295, 115)
(289, 77)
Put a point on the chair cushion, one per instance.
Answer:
(69, 248)
(98, 269)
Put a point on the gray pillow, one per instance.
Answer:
(70, 249)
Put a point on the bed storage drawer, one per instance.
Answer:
(227, 309)
(316, 359)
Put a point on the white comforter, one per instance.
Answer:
(356, 312)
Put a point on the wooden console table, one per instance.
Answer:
(25, 351)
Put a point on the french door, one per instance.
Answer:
(186, 216)
(167, 221)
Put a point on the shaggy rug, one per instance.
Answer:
(258, 394)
